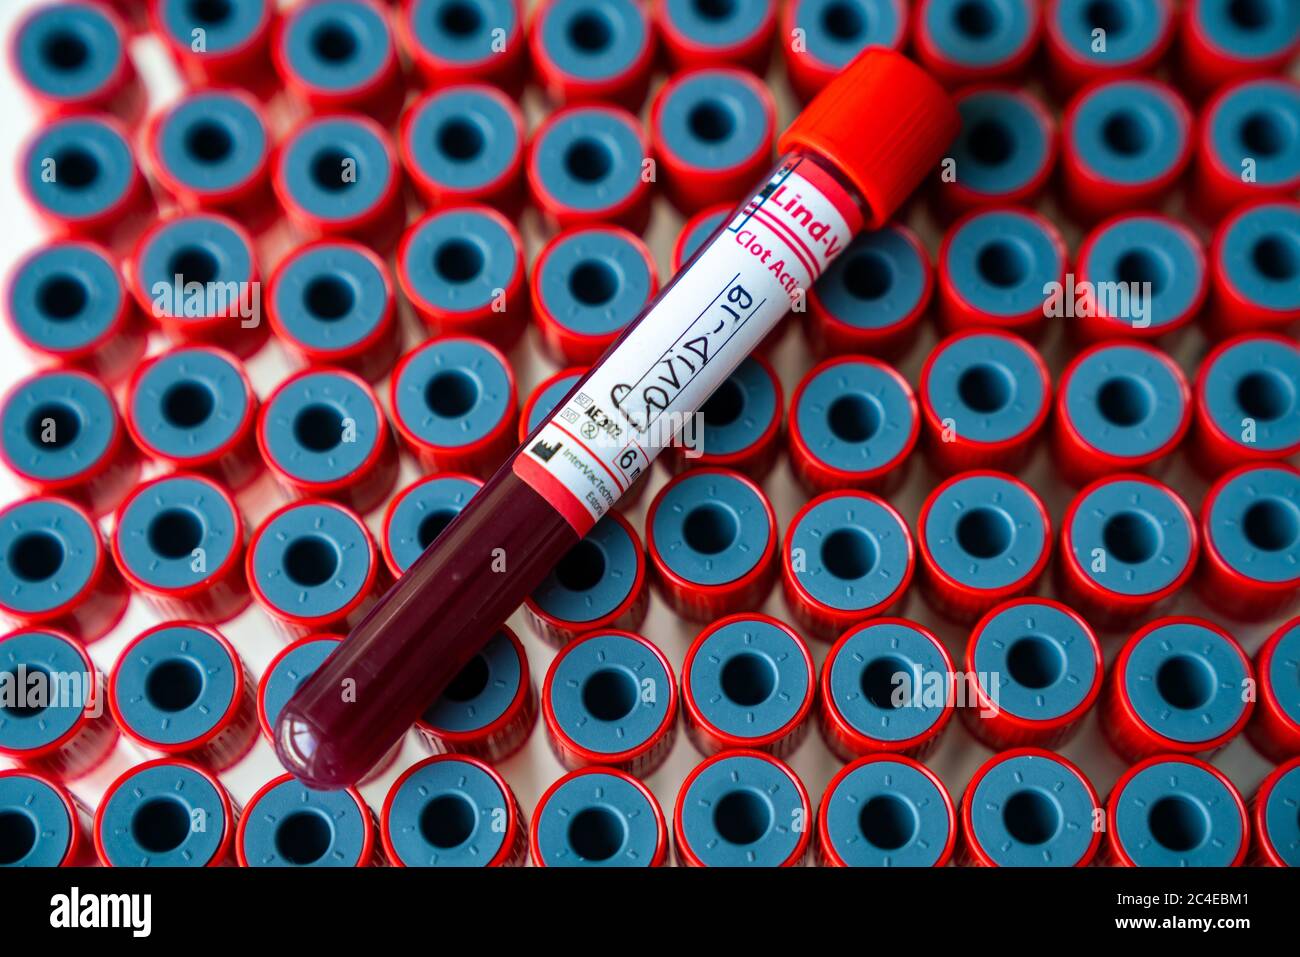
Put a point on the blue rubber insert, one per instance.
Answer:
(1000, 262)
(597, 820)
(337, 45)
(1257, 381)
(1129, 132)
(713, 121)
(742, 812)
(160, 530)
(549, 399)
(610, 694)
(878, 679)
(331, 297)
(978, 33)
(1254, 525)
(69, 51)
(293, 825)
(167, 815)
(189, 403)
(92, 165)
(1260, 28)
(65, 297)
(985, 532)
(73, 412)
(1125, 401)
(47, 555)
(35, 829)
(460, 261)
(462, 31)
(711, 529)
(1260, 256)
(227, 25)
(595, 282)
(1144, 249)
(312, 560)
(1003, 144)
(855, 552)
(423, 513)
(740, 411)
(280, 684)
(1281, 819)
(749, 679)
(590, 160)
(212, 141)
(856, 417)
(836, 31)
(1284, 673)
(877, 282)
(463, 139)
(50, 669)
(593, 578)
(1186, 682)
(1041, 662)
(1133, 28)
(1260, 121)
(1174, 814)
(175, 685)
(308, 423)
(594, 41)
(718, 27)
(1142, 530)
(448, 814)
(317, 163)
(1032, 811)
(702, 230)
(196, 249)
(990, 386)
(887, 814)
(482, 691)
(453, 392)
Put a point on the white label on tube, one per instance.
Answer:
(635, 401)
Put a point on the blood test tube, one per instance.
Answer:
(833, 32)
(698, 35)
(41, 823)
(323, 434)
(546, 398)
(1129, 143)
(146, 818)
(1254, 267)
(1274, 728)
(338, 177)
(1248, 147)
(1250, 534)
(598, 817)
(967, 41)
(711, 131)
(585, 166)
(419, 513)
(80, 178)
(742, 809)
(179, 541)
(196, 275)
(739, 426)
(452, 811)
(450, 42)
(1135, 36)
(1034, 671)
(235, 45)
(313, 567)
(584, 51)
(1222, 40)
(1178, 686)
(886, 686)
(288, 824)
(695, 231)
(610, 700)
(339, 56)
(73, 58)
(871, 300)
(994, 266)
(1128, 545)
(63, 730)
(853, 424)
(1175, 811)
(454, 405)
(60, 434)
(848, 556)
(712, 538)
(1119, 407)
(1029, 808)
(57, 571)
(985, 396)
(1274, 823)
(1005, 154)
(886, 810)
(489, 709)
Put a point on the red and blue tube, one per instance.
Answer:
(1274, 728)
(886, 810)
(598, 817)
(1247, 403)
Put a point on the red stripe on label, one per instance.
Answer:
(555, 492)
(807, 258)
